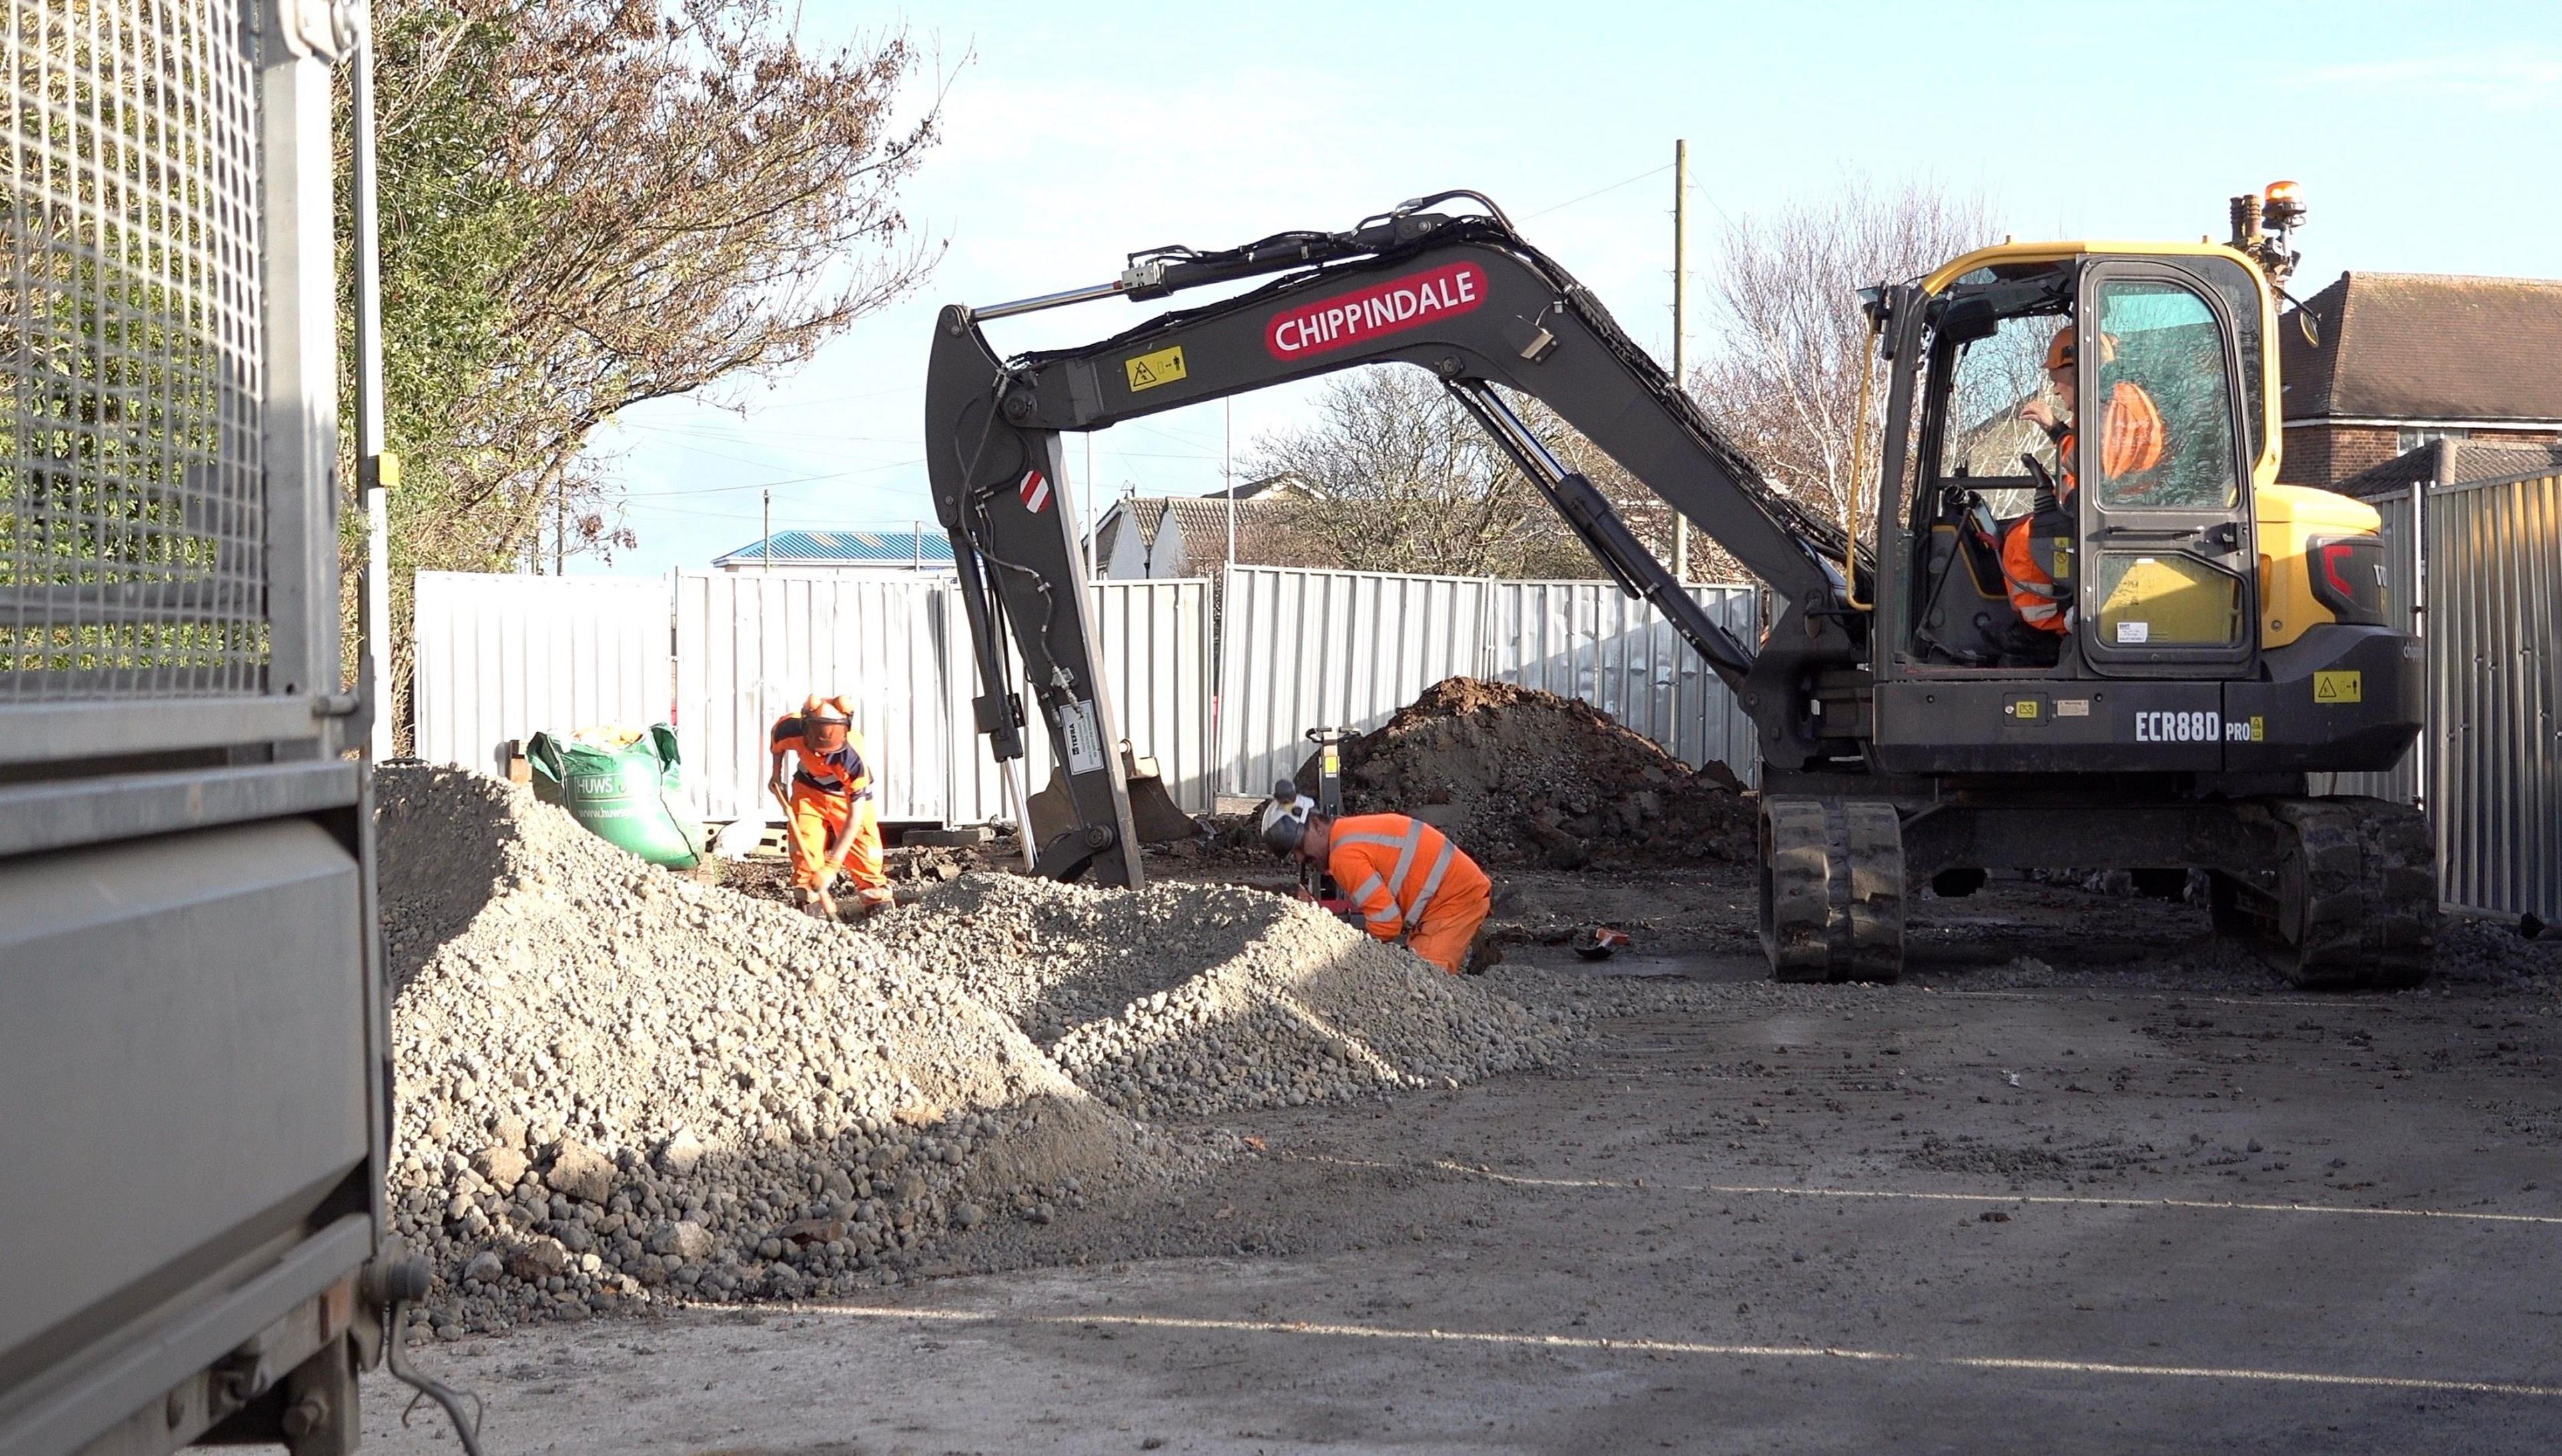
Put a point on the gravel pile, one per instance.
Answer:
(1521, 777)
(1193, 998)
(618, 1084)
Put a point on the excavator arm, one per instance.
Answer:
(1463, 296)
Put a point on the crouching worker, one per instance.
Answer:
(1405, 877)
(833, 826)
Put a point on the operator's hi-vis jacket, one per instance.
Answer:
(2037, 549)
(1408, 878)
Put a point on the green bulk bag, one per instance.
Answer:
(623, 788)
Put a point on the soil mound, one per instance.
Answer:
(1522, 777)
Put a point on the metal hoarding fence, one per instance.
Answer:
(2492, 556)
(1327, 648)
(1309, 650)
(749, 647)
(503, 656)
(500, 659)
(2480, 578)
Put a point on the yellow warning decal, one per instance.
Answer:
(1149, 370)
(2259, 729)
(2025, 708)
(2339, 687)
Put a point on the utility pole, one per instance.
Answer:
(1085, 505)
(1681, 326)
(1228, 471)
(560, 523)
(769, 529)
(377, 472)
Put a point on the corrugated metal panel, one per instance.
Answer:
(2494, 623)
(1333, 648)
(749, 647)
(502, 658)
(1311, 648)
(1587, 639)
(1153, 637)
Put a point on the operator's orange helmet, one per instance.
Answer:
(2060, 350)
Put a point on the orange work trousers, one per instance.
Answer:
(1450, 926)
(817, 819)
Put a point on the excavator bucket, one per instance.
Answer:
(1152, 809)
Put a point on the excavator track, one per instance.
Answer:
(2352, 900)
(1832, 891)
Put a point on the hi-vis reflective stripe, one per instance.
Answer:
(1369, 889)
(1432, 882)
(1405, 856)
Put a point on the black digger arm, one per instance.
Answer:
(1464, 297)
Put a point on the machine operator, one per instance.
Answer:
(2131, 444)
(1404, 877)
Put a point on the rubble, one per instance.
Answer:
(657, 1075)
(1523, 778)
(618, 1085)
(1198, 998)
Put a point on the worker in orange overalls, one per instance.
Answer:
(1403, 875)
(2131, 443)
(833, 826)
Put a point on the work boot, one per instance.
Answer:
(1483, 955)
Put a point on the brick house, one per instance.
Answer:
(2409, 359)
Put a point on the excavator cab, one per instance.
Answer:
(2177, 435)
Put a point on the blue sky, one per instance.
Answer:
(2425, 137)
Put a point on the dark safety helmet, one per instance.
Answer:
(1285, 818)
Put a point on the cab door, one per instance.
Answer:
(2168, 588)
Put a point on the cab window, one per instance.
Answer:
(2165, 437)
(1990, 378)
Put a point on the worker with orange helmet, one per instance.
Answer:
(833, 826)
(1404, 877)
(2037, 549)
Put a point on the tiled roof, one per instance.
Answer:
(846, 548)
(1264, 536)
(2427, 346)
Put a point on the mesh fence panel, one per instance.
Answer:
(132, 530)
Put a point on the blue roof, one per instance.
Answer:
(845, 548)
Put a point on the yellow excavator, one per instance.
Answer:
(1985, 665)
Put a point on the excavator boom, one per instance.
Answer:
(1463, 296)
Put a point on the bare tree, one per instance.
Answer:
(1405, 482)
(1785, 380)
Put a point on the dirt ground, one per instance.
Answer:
(2083, 1181)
